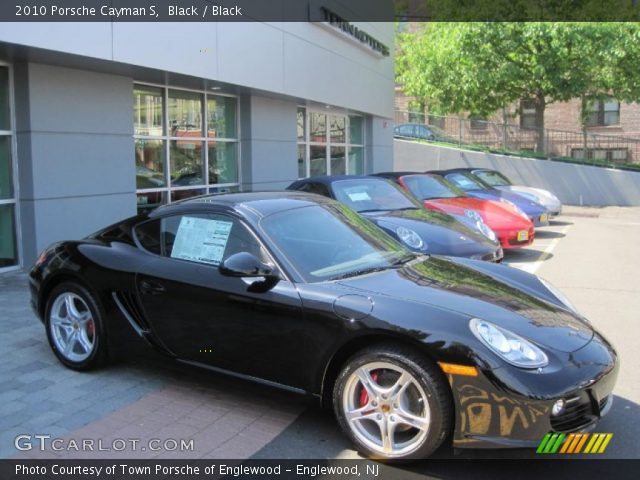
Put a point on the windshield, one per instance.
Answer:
(465, 181)
(425, 187)
(370, 195)
(325, 242)
(495, 179)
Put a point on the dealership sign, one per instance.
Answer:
(363, 38)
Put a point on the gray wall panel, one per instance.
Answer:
(81, 164)
(573, 184)
(189, 48)
(71, 218)
(71, 100)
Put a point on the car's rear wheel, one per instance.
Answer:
(75, 328)
(393, 403)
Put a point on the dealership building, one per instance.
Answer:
(101, 120)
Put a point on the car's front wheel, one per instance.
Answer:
(74, 326)
(393, 403)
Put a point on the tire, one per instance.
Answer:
(75, 327)
(407, 397)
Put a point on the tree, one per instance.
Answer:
(482, 67)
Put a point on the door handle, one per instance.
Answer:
(151, 288)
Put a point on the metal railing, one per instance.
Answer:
(578, 147)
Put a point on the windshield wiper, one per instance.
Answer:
(364, 271)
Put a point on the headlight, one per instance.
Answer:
(559, 295)
(411, 238)
(518, 210)
(486, 231)
(507, 345)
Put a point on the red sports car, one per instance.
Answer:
(513, 228)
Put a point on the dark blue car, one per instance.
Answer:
(475, 187)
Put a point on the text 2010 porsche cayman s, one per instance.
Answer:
(299, 291)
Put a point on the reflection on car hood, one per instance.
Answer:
(531, 208)
(439, 230)
(452, 286)
(543, 197)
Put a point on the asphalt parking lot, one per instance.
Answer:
(589, 253)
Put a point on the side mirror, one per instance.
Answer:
(246, 265)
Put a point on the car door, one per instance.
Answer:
(204, 317)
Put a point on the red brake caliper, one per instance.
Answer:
(364, 396)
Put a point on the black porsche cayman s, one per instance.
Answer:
(297, 290)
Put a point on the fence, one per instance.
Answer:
(593, 149)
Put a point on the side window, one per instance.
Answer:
(201, 238)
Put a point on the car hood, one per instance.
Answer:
(528, 206)
(495, 214)
(543, 197)
(439, 230)
(449, 285)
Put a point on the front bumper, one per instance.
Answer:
(541, 220)
(509, 238)
(511, 407)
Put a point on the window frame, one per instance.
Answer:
(166, 138)
(328, 144)
(596, 109)
(270, 256)
(13, 149)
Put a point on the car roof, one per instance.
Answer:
(260, 203)
(395, 175)
(329, 179)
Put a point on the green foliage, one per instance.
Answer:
(480, 67)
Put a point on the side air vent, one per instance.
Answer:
(130, 308)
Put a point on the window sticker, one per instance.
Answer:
(358, 196)
(201, 240)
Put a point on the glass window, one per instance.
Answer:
(302, 166)
(6, 170)
(345, 154)
(424, 187)
(371, 195)
(356, 160)
(494, 179)
(603, 113)
(337, 132)
(477, 122)
(301, 121)
(187, 162)
(527, 114)
(317, 127)
(5, 111)
(338, 163)
(355, 129)
(330, 241)
(8, 250)
(147, 111)
(221, 115)
(149, 163)
(318, 160)
(201, 238)
(185, 114)
(194, 155)
(223, 167)
(464, 182)
(147, 201)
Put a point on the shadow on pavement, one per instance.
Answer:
(525, 255)
(540, 234)
(559, 223)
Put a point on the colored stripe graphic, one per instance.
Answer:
(573, 443)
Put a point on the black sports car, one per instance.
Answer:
(297, 290)
(401, 216)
